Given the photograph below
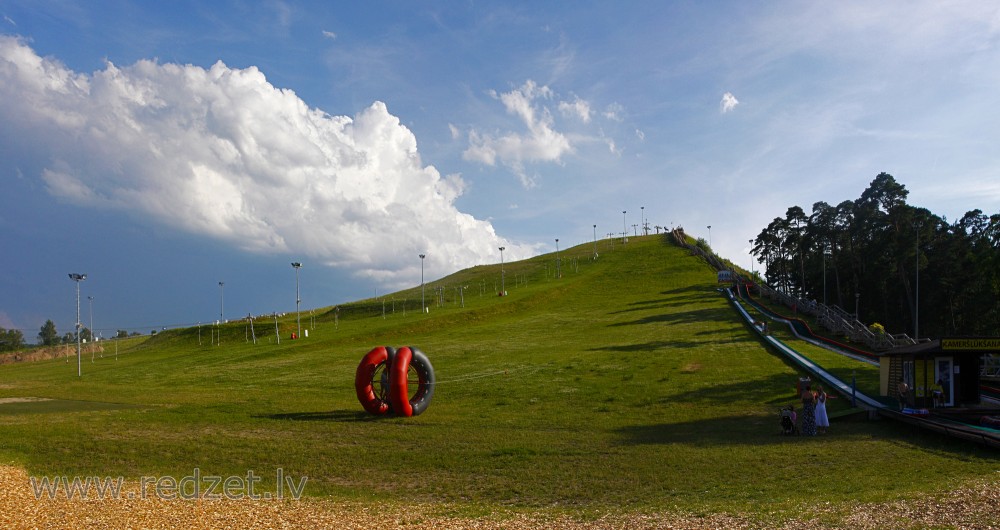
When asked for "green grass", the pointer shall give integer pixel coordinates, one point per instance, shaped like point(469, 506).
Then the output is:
point(627, 384)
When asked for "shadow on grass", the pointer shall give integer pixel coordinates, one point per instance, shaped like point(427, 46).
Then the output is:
point(334, 415)
point(652, 346)
point(729, 430)
point(663, 303)
point(673, 298)
point(775, 390)
point(711, 314)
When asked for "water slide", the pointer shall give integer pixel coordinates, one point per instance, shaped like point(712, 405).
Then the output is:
point(802, 331)
point(975, 433)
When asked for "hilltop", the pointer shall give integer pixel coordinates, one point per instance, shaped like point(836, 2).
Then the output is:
point(624, 383)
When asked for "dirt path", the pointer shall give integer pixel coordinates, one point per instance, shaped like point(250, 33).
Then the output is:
point(974, 507)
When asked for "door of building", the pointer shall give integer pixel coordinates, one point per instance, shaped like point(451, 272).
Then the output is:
point(943, 376)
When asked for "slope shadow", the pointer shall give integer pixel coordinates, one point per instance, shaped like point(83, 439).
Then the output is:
point(697, 315)
point(728, 430)
point(334, 415)
point(649, 346)
point(776, 389)
point(660, 303)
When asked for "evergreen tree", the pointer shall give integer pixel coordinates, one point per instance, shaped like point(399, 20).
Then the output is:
point(11, 339)
point(48, 336)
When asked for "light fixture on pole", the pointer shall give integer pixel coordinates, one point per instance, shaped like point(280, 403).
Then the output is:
point(422, 307)
point(296, 265)
point(503, 284)
point(222, 302)
point(709, 236)
point(916, 304)
point(78, 278)
point(91, 300)
point(595, 241)
point(751, 257)
point(642, 219)
point(826, 252)
point(624, 228)
point(558, 272)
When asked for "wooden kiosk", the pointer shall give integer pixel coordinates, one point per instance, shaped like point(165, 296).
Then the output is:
point(940, 373)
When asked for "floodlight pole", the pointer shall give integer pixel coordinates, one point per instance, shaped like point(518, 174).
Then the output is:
point(916, 304)
point(422, 306)
point(709, 236)
point(90, 299)
point(826, 252)
point(296, 265)
point(624, 229)
point(558, 271)
point(503, 285)
point(78, 278)
point(222, 302)
point(642, 218)
point(595, 241)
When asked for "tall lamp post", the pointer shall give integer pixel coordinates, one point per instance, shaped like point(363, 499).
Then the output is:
point(503, 284)
point(78, 278)
point(751, 257)
point(624, 228)
point(709, 236)
point(296, 265)
point(558, 272)
point(916, 304)
point(595, 241)
point(826, 252)
point(91, 300)
point(222, 302)
point(422, 256)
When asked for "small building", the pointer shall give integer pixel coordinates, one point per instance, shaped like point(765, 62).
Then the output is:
point(949, 366)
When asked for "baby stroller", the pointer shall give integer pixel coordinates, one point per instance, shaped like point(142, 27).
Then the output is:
point(788, 418)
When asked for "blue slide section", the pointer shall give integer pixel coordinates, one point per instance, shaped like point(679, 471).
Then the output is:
point(973, 433)
point(815, 370)
point(801, 330)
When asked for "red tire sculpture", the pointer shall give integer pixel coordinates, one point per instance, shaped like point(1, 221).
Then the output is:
point(420, 376)
point(386, 377)
point(370, 381)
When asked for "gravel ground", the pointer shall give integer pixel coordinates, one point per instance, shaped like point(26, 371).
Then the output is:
point(974, 506)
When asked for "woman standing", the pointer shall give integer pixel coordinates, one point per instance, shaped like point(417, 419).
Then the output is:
point(822, 420)
point(808, 412)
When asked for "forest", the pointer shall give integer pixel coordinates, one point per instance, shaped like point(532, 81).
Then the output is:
point(889, 262)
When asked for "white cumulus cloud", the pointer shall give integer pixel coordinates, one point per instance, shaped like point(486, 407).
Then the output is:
point(578, 108)
point(539, 143)
point(728, 102)
point(221, 152)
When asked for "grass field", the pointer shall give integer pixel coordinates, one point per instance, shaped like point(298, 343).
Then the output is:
point(627, 384)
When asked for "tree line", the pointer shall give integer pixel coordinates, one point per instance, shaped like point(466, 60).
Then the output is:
point(13, 339)
point(889, 262)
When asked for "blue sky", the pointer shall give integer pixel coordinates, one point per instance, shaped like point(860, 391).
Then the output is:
point(162, 147)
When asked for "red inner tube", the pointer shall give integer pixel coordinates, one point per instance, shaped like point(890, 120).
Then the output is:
point(398, 392)
point(363, 381)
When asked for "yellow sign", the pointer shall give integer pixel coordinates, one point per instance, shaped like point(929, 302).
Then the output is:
point(970, 344)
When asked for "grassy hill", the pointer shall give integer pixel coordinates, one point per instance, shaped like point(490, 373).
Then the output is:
point(628, 383)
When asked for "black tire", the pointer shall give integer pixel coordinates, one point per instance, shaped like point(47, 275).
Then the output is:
point(425, 389)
